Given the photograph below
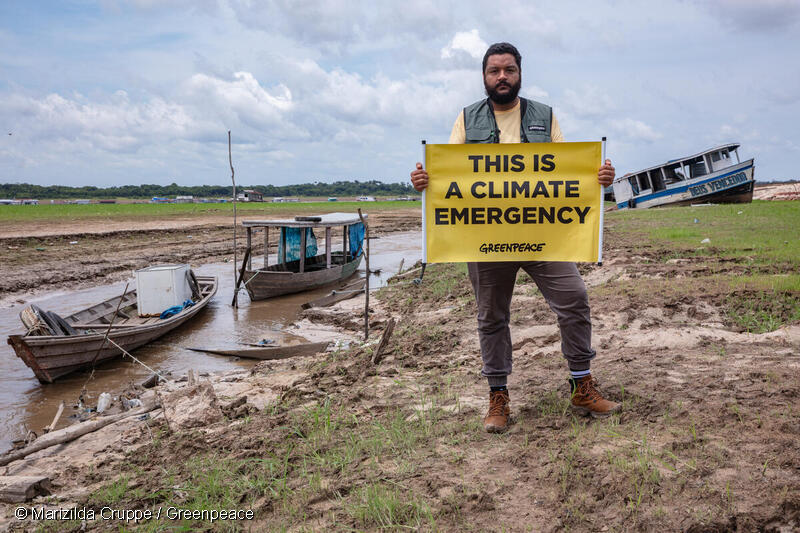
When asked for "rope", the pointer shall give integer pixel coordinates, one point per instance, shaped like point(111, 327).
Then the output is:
point(132, 357)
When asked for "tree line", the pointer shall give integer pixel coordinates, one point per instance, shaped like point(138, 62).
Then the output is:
point(337, 188)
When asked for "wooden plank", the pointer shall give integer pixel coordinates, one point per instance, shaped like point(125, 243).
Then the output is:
point(249, 246)
point(20, 489)
point(302, 250)
point(328, 247)
point(269, 353)
point(266, 247)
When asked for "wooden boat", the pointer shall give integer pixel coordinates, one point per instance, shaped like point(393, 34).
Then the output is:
point(305, 273)
point(709, 176)
point(268, 353)
point(80, 335)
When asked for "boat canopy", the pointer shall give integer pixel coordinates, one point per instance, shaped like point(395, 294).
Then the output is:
point(310, 221)
point(683, 168)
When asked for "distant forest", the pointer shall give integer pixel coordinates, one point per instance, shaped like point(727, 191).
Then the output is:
point(338, 188)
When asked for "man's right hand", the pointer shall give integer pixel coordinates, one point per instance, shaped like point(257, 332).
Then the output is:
point(419, 178)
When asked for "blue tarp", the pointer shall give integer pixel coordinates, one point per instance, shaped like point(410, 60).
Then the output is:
point(175, 309)
point(292, 239)
point(356, 238)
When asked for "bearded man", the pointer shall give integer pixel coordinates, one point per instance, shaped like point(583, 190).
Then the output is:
point(504, 117)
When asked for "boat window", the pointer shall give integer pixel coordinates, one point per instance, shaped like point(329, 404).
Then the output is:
point(657, 179)
point(720, 159)
point(674, 173)
point(644, 183)
point(696, 167)
point(634, 185)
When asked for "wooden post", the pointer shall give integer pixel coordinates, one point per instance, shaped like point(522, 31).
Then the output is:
point(302, 250)
point(249, 246)
point(283, 245)
point(366, 287)
point(344, 244)
point(327, 246)
point(266, 246)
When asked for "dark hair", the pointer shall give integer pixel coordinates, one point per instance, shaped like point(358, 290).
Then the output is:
point(502, 48)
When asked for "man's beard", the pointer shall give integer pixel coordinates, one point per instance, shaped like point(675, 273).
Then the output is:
point(502, 98)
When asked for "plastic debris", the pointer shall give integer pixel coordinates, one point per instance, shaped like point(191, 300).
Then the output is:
point(705, 241)
point(104, 402)
point(130, 404)
point(696, 220)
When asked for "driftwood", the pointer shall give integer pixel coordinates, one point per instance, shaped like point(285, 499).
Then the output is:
point(269, 353)
point(20, 489)
point(73, 432)
point(349, 291)
point(406, 274)
point(52, 425)
point(387, 333)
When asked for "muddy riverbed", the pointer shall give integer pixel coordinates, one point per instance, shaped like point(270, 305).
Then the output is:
point(50, 280)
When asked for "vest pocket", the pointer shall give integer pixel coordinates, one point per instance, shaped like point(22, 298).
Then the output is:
point(478, 135)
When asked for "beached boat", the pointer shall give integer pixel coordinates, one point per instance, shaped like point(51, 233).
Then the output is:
point(55, 346)
point(297, 272)
point(709, 176)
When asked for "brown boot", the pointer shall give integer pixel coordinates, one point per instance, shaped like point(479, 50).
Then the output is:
point(587, 400)
point(496, 420)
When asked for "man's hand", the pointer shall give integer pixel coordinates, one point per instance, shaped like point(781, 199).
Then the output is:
point(419, 177)
point(605, 175)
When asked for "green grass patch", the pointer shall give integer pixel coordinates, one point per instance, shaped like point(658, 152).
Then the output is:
point(764, 231)
point(380, 506)
point(93, 211)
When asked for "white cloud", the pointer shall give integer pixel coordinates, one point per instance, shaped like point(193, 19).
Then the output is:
point(242, 99)
point(466, 41)
point(628, 129)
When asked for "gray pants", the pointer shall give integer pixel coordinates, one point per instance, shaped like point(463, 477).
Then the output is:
point(563, 289)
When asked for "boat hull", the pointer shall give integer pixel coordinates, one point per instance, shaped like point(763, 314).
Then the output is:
point(263, 284)
point(732, 185)
point(52, 357)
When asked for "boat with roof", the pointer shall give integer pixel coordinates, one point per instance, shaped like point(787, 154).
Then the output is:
point(293, 270)
point(711, 176)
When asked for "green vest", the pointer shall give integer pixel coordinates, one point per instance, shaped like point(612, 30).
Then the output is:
point(481, 126)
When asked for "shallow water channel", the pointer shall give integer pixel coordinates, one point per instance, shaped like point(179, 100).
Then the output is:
point(27, 404)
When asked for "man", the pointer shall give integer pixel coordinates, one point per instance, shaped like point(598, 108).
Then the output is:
point(505, 117)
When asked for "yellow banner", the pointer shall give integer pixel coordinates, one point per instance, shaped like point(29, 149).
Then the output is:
point(513, 202)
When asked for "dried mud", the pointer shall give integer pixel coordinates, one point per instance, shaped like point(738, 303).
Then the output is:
point(706, 441)
point(42, 256)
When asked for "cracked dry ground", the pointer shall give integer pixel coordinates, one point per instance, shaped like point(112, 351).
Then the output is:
point(707, 440)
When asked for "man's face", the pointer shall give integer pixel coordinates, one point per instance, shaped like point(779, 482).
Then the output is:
point(502, 78)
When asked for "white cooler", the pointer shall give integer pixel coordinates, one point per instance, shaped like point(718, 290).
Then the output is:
point(161, 287)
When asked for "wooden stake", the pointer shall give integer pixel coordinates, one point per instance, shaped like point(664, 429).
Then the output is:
point(235, 262)
point(387, 334)
point(366, 287)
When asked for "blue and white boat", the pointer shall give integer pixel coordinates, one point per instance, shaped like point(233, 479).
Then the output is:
point(709, 176)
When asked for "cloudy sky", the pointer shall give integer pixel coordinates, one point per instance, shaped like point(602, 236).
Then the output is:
point(114, 92)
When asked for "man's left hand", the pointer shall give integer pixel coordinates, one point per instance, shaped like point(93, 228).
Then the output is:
point(606, 174)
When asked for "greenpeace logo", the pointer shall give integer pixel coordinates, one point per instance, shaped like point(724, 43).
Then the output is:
point(512, 247)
